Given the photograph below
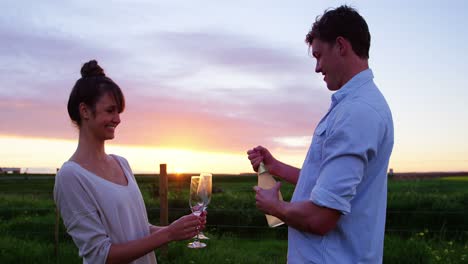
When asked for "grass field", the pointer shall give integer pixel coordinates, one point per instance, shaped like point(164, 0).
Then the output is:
point(427, 222)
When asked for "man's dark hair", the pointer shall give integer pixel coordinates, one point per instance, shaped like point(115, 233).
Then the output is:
point(345, 22)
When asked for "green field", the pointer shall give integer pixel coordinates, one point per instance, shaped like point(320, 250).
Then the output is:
point(427, 222)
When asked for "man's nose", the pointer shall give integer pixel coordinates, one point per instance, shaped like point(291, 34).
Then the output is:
point(318, 68)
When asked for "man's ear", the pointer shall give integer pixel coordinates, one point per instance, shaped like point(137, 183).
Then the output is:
point(84, 111)
point(343, 45)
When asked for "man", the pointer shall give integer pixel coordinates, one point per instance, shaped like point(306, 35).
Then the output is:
point(337, 212)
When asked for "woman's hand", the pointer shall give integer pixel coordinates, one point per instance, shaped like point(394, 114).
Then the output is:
point(186, 227)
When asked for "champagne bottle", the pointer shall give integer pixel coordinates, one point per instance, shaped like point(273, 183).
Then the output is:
point(266, 181)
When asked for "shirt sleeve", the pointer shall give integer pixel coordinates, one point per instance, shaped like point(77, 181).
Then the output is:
point(350, 144)
point(81, 217)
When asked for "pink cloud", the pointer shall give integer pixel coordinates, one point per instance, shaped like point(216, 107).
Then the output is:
point(172, 122)
point(159, 113)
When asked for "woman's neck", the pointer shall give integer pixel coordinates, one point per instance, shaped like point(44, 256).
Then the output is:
point(89, 148)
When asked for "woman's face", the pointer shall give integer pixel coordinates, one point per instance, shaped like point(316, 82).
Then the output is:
point(105, 119)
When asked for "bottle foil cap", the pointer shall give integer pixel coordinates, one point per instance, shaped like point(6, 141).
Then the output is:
point(262, 168)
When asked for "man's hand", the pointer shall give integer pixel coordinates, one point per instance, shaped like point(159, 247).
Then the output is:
point(267, 201)
point(259, 154)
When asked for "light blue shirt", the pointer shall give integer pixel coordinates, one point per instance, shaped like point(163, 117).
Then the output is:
point(346, 169)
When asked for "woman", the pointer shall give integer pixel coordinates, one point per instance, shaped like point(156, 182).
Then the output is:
point(97, 194)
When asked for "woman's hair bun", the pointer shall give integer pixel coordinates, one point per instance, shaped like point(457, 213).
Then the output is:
point(91, 69)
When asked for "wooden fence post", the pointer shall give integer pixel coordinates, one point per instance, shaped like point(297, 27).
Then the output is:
point(163, 208)
point(56, 231)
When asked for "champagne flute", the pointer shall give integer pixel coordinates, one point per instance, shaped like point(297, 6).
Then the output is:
point(206, 185)
point(196, 205)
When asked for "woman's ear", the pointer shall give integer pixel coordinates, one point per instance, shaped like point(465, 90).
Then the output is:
point(84, 111)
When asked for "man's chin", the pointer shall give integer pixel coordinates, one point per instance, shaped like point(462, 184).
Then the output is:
point(332, 87)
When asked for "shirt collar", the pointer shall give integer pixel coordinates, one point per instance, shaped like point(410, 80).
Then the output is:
point(357, 81)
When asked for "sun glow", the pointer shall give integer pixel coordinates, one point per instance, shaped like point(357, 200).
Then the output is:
point(39, 155)
point(46, 155)
point(179, 171)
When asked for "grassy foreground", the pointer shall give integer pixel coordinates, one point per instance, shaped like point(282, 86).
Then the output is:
point(427, 222)
point(231, 249)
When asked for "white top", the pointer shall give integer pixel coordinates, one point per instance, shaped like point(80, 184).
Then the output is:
point(98, 213)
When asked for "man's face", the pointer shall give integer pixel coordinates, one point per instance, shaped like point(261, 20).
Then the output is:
point(328, 63)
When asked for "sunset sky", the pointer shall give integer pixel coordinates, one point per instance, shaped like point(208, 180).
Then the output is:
point(207, 80)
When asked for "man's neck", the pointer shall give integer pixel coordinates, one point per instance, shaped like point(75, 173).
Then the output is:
point(356, 66)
